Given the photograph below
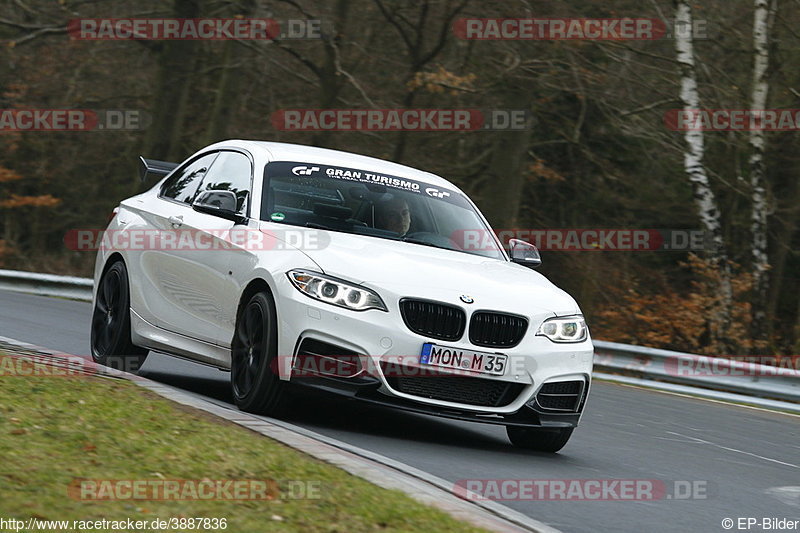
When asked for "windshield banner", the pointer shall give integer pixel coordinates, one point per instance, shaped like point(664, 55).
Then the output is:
point(374, 181)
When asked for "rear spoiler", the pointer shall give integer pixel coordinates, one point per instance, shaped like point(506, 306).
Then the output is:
point(154, 167)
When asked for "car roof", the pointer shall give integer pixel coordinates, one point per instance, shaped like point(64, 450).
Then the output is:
point(311, 154)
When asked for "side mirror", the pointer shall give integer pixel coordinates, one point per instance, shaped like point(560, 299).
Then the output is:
point(524, 253)
point(220, 204)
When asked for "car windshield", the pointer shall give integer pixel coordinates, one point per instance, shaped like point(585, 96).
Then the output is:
point(375, 205)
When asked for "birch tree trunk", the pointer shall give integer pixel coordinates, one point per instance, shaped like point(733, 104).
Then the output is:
point(705, 200)
point(758, 101)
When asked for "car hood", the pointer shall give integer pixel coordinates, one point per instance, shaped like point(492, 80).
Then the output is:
point(413, 270)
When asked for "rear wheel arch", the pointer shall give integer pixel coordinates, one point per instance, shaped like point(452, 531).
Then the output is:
point(111, 259)
point(110, 336)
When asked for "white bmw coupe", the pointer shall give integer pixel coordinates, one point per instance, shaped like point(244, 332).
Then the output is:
point(294, 266)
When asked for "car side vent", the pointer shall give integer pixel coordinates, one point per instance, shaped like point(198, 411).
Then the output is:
point(561, 396)
point(318, 358)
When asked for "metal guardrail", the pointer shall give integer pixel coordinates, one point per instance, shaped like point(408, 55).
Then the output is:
point(47, 284)
point(729, 375)
point(761, 381)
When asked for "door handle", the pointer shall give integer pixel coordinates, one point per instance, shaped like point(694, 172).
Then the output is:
point(176, 221)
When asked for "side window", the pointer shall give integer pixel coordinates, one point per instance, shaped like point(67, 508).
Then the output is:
point(230, 172)
point(182, 185)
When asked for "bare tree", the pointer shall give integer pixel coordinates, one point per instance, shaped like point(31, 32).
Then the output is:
point(176, 65)
point(705, 199)
point(414, 36)
point(229, 83)
point(330, 73)
point(764, 12)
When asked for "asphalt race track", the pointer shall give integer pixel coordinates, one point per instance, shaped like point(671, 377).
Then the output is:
point(747, 460)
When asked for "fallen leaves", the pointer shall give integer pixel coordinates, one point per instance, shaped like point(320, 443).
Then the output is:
point(15, 201)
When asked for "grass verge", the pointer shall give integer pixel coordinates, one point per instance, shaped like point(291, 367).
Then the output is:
point(56, 430)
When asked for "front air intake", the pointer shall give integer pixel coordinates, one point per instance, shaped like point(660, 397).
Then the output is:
point(561, 396)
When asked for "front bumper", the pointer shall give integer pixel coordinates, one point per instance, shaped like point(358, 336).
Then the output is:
point(376, 336)
point(368, 390)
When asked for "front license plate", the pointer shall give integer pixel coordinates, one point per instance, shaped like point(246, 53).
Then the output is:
point(447, 357)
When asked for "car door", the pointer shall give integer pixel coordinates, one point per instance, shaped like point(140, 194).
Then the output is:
point(150, 296)
point(233, 171)
point(193, 274)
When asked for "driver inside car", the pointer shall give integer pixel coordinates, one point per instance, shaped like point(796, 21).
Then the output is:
point(393, 215)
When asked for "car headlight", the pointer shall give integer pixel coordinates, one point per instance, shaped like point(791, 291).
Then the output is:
point(564, 329)
point(335, 291)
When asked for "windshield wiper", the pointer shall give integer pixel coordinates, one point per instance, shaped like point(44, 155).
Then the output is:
point(412, 240)
point(314, 225)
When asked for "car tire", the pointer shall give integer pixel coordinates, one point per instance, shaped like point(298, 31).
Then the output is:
point(111, 343)
point(539, 439)
point(255, 385)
